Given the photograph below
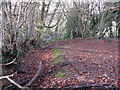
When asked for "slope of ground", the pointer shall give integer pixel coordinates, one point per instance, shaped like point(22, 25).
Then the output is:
point(93, 62)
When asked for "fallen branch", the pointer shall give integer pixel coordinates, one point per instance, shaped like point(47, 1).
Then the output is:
point(8, 77)
point(36, 75)
point(13, 61)
point(3, 77)
point(30, 82)
point(55, 68)
point(14, 87)
point(39, 76)
point(21, 87)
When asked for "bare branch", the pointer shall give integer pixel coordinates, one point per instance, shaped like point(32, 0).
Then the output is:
point(57, 5)
point(9, 62)
point(8, 77)
point(2, 77)
point(35, 76)
point(21, 87)
point(29, 83)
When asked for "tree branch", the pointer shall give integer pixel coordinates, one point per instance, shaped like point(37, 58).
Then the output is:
point(54, 68)
point(2, 77)
point(35, 76)
point(21, 87)
point(8, 77)
point(9, 62)
point(29, 83)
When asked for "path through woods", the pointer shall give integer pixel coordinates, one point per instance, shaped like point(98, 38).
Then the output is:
point(93, 62)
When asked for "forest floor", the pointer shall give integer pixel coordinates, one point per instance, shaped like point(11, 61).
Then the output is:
point(92, 62)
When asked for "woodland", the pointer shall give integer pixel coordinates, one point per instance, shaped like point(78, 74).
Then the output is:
point(59, 44)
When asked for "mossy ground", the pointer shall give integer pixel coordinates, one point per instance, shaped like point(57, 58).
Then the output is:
point(55, 60)
point(60, 73)
point(56, 57)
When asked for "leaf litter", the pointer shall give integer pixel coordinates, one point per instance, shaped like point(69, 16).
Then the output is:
point(94, 62)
